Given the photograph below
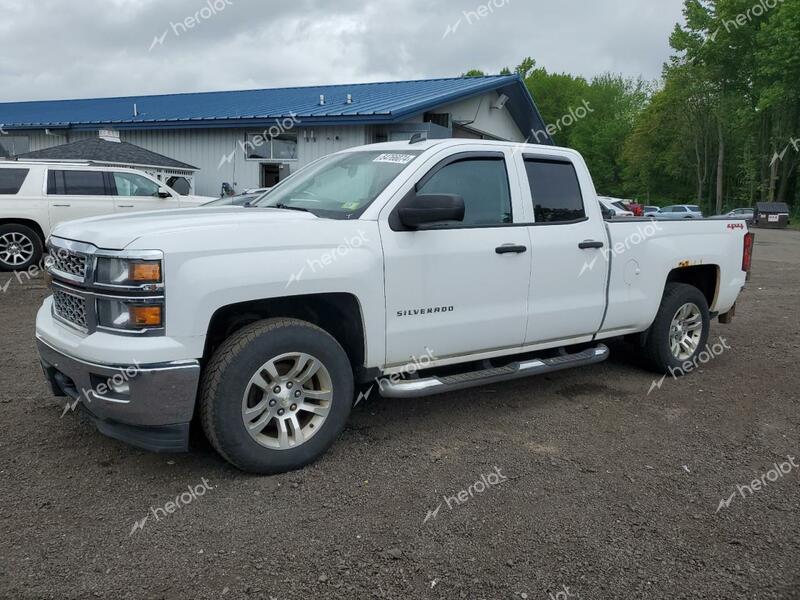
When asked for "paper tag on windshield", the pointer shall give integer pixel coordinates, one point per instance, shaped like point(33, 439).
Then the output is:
point(398, 159)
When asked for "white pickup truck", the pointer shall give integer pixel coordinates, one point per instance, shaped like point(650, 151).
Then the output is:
point(430, 267)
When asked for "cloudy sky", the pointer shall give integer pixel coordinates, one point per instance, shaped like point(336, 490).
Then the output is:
point(73, 49)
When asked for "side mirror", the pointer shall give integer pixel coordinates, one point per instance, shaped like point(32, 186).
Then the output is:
point(163, 192)
point(417, 210)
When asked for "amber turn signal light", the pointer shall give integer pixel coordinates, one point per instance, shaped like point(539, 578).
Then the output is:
point(145, 271)
point(145, 316)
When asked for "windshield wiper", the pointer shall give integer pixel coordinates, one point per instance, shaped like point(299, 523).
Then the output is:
point(287, 207)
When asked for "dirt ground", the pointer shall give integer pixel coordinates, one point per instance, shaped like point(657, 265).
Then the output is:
point(576, 486)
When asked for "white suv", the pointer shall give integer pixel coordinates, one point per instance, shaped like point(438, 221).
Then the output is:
point(35, 196)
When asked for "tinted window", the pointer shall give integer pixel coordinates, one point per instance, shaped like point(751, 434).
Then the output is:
point(556, 191)
point(76, 183)
point(482, 183)
point(180, 185)
point(11, 180)
point(130, 184)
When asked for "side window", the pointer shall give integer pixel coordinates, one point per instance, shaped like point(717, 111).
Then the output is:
point(482, 183)
point(180, 185)
point(76, 183)
point(555, 190)
point(11, 180)
point(130, 184)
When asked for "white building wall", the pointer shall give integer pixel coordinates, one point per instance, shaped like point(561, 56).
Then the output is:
point(477, 114)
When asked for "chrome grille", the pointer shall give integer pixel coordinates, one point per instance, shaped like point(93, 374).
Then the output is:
point(70, 307)
point(69, 262)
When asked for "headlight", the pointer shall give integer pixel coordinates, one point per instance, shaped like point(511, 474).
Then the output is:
point(128, 272)
point(129, 315)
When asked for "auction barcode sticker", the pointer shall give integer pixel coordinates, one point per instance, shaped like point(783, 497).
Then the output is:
point(398, 159)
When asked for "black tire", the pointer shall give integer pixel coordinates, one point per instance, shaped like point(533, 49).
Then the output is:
point(657, 351)
point(31, 241)
point(226, 378)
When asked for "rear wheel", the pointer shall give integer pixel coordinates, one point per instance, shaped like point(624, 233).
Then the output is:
point(680, 330)
point(276, 395)
point(20, 247)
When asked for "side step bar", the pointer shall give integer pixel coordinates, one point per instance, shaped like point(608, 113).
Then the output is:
point(415, 388)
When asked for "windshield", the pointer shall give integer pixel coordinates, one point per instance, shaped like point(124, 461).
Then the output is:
point(340, 186)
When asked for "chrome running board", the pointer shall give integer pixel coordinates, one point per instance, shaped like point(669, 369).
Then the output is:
point(415, 388)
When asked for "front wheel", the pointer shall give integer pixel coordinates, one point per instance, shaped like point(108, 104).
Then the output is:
point(680, 330)
point(276, 395)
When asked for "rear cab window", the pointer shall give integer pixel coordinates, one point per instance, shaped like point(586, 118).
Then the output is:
point(555, 190)
point(11, 180)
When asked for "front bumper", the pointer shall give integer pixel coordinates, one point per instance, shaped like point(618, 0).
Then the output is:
point(149, 406)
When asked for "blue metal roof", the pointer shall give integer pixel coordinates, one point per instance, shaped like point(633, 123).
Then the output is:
point(371, 103)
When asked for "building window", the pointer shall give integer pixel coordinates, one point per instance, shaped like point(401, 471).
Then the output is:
point(440, 119)
point(257, 146)
point(14, 145)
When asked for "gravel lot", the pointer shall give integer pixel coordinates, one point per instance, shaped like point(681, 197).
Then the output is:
point(606, 491)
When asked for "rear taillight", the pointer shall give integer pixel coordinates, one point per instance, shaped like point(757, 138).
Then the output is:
point(747, 256)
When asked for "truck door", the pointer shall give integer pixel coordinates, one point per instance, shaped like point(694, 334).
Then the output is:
point(461, 287)
point(569, 248)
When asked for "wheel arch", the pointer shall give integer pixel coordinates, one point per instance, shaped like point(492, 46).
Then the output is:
point(29, 223)
point(340, 314)
point(704, 277)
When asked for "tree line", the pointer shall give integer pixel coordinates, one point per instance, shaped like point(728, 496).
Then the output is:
point(719, 129)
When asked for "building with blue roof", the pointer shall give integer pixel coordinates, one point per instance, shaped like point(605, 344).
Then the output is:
point(254, 138)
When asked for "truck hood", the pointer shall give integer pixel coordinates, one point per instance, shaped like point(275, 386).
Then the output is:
point(116, 232)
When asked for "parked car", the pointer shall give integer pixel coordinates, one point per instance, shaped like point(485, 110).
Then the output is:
point(36, 196)
point(240, 200)
point(739, 213)
point(615, 208)
point(402, 266)
point(680, 211)
point(650, 211)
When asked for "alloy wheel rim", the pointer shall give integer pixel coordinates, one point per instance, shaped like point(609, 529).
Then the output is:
point(15, 248)
point(287, 400)
point(686, 331)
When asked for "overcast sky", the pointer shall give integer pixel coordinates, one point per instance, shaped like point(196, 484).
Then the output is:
point(87, 48)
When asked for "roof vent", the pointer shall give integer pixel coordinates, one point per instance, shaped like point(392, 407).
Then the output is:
point(322, 99)
point(349, 99)
point(135, 110)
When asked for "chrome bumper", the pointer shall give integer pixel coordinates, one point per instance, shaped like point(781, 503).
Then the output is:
point(133, 403)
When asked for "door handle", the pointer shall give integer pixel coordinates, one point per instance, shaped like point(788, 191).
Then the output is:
point(62, 205)
point(125, 206)
point(511, 249)
point(590, 245)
